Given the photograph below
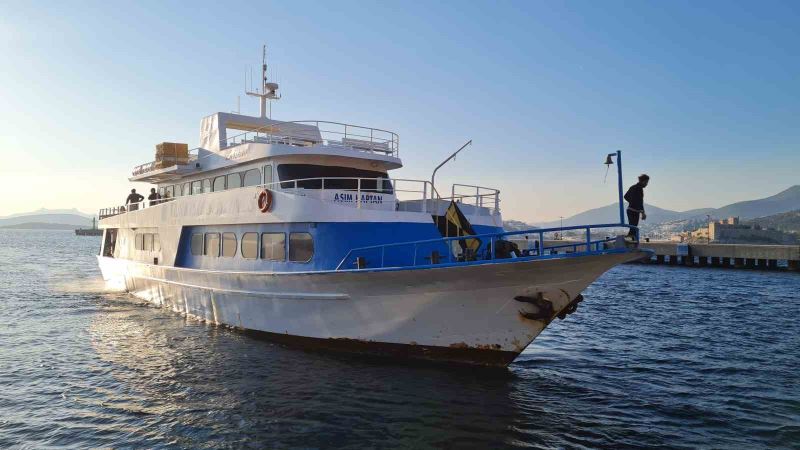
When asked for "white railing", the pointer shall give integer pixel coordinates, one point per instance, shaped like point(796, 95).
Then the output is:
point(129, 207)
point(165, 162)
point(404, 195)
point(476, 196)
point(333, 134)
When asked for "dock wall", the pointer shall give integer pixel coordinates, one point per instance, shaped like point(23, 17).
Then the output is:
point(732, 256)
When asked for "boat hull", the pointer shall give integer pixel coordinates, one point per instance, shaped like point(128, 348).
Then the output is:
point(465, 313)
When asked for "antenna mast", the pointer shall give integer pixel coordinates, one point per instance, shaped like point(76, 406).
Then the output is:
point(267, 91)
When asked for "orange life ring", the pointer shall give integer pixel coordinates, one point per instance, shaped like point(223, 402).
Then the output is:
point(265, 200)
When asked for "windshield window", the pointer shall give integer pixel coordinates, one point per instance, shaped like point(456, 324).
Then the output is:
point(350, 175)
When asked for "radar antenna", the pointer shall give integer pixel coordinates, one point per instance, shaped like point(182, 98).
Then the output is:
point(268, 89)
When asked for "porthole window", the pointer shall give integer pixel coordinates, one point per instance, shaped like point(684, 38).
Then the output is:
point(234, 181)
point(219, 183)
point(301, 247)
point(273, 246)
point(197, 244)
point(228, 245)
point(211, 245)
point(252, 177)
point(250, 245)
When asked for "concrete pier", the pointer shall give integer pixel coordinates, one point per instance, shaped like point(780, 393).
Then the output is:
point(728, 256)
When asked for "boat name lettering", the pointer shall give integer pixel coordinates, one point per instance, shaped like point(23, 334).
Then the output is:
point(350, 197)
point(239, 153)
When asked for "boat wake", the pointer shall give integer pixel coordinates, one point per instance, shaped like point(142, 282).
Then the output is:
point(87, 286)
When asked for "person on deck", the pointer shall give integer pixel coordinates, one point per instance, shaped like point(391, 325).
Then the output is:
point(133, 200)
point(635, 198)
point(154, 197)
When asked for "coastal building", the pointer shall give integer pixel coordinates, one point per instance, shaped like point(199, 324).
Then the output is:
point(731, 231)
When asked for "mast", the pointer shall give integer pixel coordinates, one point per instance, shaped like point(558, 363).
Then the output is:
point(267, 90)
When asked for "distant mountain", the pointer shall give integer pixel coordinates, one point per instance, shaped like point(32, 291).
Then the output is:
point(787, 221)
point(516, 225)
point(43, 211)
point(39, 226)
point(610, 214)
point(73, 220)
point(784, 201)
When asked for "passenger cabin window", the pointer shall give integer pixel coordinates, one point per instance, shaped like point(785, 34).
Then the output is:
point(197, 187)
point(252, 177)
point(147, 242)
point(301, 247)
point(161, 191)
point(207, 185)
point(197, 244)
point(219, 183)
point(250, 245)
point(273, 246)
point(228, 245)
point(341, 178)
point(211, 244)
point(268, 174)
point(187, 188)
point(169, 191)
point(234, 181)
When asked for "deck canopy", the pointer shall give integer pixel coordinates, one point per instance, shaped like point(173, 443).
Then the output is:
point(214, 130)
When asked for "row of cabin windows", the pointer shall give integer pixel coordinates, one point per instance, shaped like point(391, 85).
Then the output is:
point(309, 176)
point(147, 242)
point(273, 246)
point(235, 180)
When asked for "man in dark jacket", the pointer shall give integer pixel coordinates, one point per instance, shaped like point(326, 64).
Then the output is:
point(133, 200)
point(154, 197)
point(635, 198)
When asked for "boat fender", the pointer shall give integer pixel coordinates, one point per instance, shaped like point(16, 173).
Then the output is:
point(544, 307)
point(265, 200)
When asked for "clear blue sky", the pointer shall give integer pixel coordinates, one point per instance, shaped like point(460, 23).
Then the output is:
point(704, 96)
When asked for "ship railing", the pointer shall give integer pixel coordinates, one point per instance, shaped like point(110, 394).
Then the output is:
point(332, 134)
point(477, 196)
point(408, 195)
point(165, 162)
point(480, 248)
point(130, 207)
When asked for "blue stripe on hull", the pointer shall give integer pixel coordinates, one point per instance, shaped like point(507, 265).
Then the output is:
point(332, 241)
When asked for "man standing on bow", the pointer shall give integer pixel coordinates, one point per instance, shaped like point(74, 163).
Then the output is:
point(635, 198)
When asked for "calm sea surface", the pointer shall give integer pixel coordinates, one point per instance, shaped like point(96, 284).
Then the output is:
point(656, 356)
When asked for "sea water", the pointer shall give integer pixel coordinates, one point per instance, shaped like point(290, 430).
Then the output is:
point(655, 356)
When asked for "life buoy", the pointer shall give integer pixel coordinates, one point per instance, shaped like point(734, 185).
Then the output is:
point(265, 200)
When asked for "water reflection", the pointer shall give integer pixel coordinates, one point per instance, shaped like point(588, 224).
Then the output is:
point(201, 385)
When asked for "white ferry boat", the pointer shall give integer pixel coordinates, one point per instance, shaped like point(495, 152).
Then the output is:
point(295, 230)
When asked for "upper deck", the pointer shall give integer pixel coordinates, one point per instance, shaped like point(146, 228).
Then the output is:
point(301, 137)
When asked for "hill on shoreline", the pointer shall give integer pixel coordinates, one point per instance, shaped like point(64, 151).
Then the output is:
point(781, 202)
point(38, 226)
